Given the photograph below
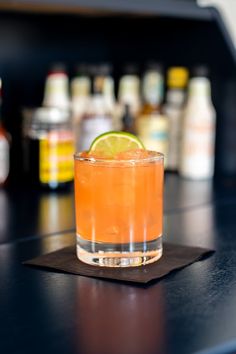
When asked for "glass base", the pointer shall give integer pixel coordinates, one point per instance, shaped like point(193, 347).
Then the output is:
point(118, 255)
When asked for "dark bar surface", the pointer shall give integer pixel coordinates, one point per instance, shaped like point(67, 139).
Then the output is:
point(189, 311)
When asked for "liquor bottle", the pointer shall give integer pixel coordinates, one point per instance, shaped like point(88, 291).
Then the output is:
point(197, 148)
point(56, 93)
point(4, 147)
point(49, 148)
point(128, 123)
point(152, 125)
point(152, 88)
point(128, 93)
point(97, 119)
point(104, 75)
point(177, 78)
point(80, 93)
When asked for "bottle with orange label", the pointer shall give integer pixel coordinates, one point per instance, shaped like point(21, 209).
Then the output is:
point(49, 148)
point(198, 134)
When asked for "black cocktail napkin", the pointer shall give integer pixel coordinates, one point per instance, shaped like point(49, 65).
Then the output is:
point(174, 257)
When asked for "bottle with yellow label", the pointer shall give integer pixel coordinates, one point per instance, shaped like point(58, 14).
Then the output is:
point(49, 148)
point(152, 126)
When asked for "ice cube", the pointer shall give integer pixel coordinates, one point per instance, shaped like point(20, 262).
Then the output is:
point(134, 154)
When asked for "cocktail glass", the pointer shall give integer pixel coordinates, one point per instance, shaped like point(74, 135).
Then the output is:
point(119, 209)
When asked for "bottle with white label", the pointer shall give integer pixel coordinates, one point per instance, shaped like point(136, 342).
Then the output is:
point(128, 94)
point(198, 139)
point(152, 126)
point(80, 92)
point(97, 118)
point(4, 147)
point(80, 96)
point(177, 78)
point(104, 73)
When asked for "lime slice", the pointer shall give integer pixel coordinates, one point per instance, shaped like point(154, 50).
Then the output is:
point(112, 143)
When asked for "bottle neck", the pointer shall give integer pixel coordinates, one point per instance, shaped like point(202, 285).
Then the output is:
point(80, 87)
point(128, 89)
point(153, 88)
point(175, 96)
point(200, 90)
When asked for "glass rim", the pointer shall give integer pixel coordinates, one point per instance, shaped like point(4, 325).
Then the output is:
point(157, 156)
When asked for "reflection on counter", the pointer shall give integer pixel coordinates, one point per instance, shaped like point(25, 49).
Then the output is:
point(187, 193)
point(25, 213)
point(56, 242)
point(104, 309)
point(56, 212)
point(4, 215)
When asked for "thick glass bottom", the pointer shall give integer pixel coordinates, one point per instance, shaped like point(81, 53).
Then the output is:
point(118, 255)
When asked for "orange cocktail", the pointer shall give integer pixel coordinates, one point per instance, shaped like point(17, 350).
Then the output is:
point(119, 208)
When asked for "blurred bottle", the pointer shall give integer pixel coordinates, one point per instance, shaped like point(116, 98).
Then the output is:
point(4, 147)
point(56, 93)
point(104, 80)
point(128, 94)
point(80, 95)
point(152, 125)
point(177, 79)
point(49, 148)
point(97, 119)
point(152, 88)
point(128, 123)
point(197, 147)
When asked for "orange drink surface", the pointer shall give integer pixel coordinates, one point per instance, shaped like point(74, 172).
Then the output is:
point(119, 200)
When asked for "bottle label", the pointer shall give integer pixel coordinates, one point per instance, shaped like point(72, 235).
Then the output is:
point(91, 128)
point(153, 131)
point(4, 159)
point(56, 157)
point(153, 87)
point(174, 115)
point(198, 150)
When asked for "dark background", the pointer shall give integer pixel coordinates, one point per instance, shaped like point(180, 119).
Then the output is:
point(31, 41)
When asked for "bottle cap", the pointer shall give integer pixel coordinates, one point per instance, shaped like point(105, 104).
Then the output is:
point(57, 68)
point(154, 66)
point(130, 69)
point(82, 69)
point(104, 69)
point(177, 77)
point(200, 71)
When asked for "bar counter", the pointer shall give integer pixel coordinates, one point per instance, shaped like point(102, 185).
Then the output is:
point(189, 311)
